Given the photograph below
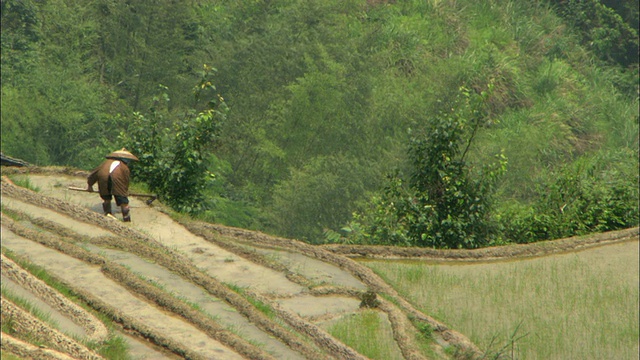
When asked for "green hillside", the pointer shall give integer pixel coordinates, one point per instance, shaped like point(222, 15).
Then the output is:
point(431, 123)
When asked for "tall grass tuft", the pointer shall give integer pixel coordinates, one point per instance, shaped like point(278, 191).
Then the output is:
point(115, 347)
point(25, 182)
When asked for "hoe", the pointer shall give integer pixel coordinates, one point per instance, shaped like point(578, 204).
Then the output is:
point(151, 197)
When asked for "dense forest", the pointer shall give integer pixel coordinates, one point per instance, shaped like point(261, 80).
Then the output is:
point(441, 123)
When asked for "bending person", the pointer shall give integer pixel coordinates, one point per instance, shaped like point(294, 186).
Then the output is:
point(112, 177)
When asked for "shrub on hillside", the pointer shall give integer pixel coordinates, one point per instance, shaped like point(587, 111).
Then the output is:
point(594, 195)
point(172, 152)
point(444, 203)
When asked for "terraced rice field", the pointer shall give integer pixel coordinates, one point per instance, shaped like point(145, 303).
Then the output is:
point(173, 288)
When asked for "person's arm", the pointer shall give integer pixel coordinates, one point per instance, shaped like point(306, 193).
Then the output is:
point(92, 179)
point(125, 178)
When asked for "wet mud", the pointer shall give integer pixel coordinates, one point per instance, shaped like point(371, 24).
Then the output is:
point(205, 291)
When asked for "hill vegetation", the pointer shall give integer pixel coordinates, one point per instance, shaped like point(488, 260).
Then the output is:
point(432, 123)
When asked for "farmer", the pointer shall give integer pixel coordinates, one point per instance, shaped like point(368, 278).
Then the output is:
point(112, 177)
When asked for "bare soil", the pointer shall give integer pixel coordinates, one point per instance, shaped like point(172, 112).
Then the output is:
point(184, 289)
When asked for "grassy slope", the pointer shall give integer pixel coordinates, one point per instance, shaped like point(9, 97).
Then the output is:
point(552, 104)
point(392, 61)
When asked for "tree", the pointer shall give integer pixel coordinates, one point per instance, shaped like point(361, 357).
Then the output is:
point(172, 151)
point(603, 30)
point(20, 34)
point(319, 196)
point(444, 203)
point(596, 193)
point(141, 44)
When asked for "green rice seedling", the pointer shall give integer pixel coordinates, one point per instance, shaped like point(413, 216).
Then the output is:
point(262, 307)
point(366, 333)
point(114, 347)
point(163, 287)
point(423, 337)
point(28, 306)
point(11, 213)
point(25, 182)
point(150, 281)
point(577, 305)
point(8, 326)
point(40, 273)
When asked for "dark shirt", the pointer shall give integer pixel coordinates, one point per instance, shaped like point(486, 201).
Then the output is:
point(119, 174)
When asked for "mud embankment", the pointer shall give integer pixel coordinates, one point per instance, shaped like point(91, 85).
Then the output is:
point(302, 285)
point(506, 252)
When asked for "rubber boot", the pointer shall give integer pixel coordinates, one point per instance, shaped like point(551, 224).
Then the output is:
point(126, 216)
point(106, 207)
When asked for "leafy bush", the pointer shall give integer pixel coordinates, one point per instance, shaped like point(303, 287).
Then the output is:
point(595, 195)
point(323, 95)
point(172, 159)
point(445, 203)
point(602, 29)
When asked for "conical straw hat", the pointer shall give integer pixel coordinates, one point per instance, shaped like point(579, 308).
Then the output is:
point(122, 154)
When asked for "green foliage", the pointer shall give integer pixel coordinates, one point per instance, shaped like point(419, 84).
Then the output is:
point(236, 213)
point(327, 95)
point(172, 160)
point(142, 44)
point(222, 204)
point(317, 197)
point(53, 112)
point(77, 130)
point(445, 203)
point(602, 29)
point(593, 195)
point(20, 35)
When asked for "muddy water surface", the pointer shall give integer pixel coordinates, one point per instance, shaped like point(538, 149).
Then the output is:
point(215, 256)
point(61, 322)
point(137, 349)
point(61, 219)
point(91, 279)
point(219, 263)
point(208, 304)
point(317, 271)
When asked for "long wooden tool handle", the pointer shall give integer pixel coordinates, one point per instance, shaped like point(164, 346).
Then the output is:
point(78, 188)
point(75, 188)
